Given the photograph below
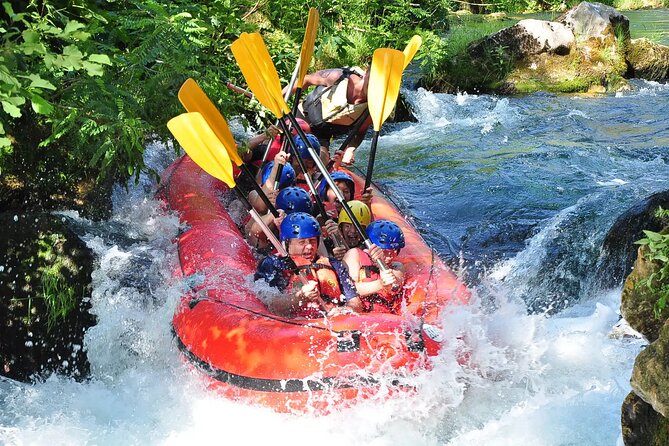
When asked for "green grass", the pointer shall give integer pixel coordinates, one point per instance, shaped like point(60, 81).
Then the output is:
point(59, 296)
point(452, 66)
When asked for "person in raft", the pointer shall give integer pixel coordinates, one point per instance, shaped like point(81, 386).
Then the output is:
point(329, 289)
point(364, 216)
point(309, 162)
point(347, 187)
point(273, 137)
point(289, 200)
point(334, 107)
point(267, 179)
point(376, 287)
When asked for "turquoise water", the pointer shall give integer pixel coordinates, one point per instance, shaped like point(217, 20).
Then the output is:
point(484, 175)
point(652, 24)
point(517, 193)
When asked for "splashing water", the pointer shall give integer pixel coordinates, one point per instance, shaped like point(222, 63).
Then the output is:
point(520, 190)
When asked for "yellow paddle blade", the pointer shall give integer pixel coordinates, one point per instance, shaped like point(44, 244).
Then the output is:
point(259, 71)
point(195, 100)
point(202, 145)
point(308, 45)
point(385, 78)
point(411, 49)
point(242, 50)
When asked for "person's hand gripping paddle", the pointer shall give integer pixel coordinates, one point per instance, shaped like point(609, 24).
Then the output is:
point(261, 76)
point(409, 52)
point(204, 147)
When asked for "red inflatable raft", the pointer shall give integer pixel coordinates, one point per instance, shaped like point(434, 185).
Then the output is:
point(225, 330)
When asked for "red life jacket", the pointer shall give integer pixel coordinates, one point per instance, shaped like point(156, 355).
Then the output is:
point(302, 184)
point(385, 300)
point(325, 275)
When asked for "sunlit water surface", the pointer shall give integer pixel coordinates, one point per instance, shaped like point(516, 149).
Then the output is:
point(519, 192)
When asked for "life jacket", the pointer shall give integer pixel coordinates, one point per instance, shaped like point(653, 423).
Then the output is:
point(322, 272)
point(327, 108)
point(302, 184)
point(385, 300)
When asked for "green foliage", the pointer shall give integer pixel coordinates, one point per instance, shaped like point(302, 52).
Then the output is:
point(40, 49)
point(658, 252)
point(85, 84)
point(59, 296)
point(451, 64)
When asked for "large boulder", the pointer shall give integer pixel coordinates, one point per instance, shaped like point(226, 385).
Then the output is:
point(587, 49)
point(648, 60)
point(638, 300)
point(527, 38)
point(650, 376)
point(596, 22)
point(583, 50)
point(641, 425)
point(619, 251)
point(45, 283)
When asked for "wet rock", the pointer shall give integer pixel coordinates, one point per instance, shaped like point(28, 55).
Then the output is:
point(596, 21)
point(637, 300)
point(45, 276)
point(648, 60)
point(650, 376)
point(641, 425)
point(618, 249)
point(583, 50)
point(526, 38)
point(403, 112)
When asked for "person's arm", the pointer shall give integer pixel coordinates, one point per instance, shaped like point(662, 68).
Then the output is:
point(348, 290)
point(272, 270)
point(355, 142)
point(352, 261)
point(287, 305)
point(323, 77)
point(257, 202)
point(266, 136)
point(256, 236)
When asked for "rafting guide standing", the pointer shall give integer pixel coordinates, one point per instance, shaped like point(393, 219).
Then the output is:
point(336, 105)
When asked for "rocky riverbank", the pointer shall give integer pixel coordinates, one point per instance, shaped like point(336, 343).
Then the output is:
point(587, 49)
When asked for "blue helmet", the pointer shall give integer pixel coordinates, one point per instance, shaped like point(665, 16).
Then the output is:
point(385, 234)
point(336, 176)
point(302, 147)
point(287, 174)
point(294, 199)
point(299, 225)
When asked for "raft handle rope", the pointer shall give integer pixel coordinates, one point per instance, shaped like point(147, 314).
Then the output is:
point(196, 300)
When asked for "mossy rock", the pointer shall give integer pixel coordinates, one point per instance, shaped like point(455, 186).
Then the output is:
point(638, 300)
point(641, 425)
point(650, 376)
point(648, 60)
point(564, 74)
point(45, 283)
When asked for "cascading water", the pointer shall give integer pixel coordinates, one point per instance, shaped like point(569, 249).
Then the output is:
point(518, 192)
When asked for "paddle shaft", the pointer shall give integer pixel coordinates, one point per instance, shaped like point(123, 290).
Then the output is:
point(300, 161)
point(372, 156)
point(268, 232)
point(293, 80)
point(258, 189)
point(340, 197)
point(298, 94)
point(354, 131)
point(237, 89)
point(338, 241)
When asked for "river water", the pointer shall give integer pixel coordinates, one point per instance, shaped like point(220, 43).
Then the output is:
point(518, 193)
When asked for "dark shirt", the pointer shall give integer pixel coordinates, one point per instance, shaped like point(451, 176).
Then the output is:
point(276, 271)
